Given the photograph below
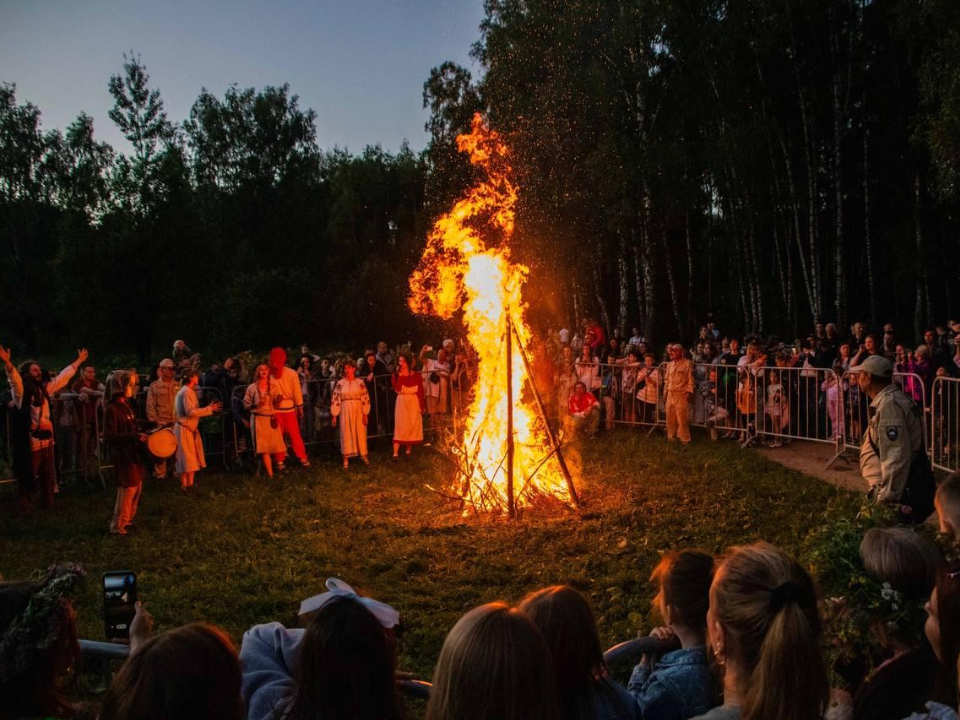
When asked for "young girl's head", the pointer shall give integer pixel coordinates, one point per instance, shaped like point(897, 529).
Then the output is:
point(347, 665)
point(494, 665)
point(649, 359)
point(566, 621)
point(683, 597)
point(763, 625)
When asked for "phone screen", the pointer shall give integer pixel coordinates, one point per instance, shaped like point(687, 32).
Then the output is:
point(119, 601)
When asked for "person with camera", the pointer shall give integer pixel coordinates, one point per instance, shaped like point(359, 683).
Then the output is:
point(190, 457)
point(32, 428)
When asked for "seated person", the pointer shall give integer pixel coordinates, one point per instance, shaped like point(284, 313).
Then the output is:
point(678, 684)
point(189, 673)
point(342, 665)
point(583, 411)
point(584, 686)
point(947, 504)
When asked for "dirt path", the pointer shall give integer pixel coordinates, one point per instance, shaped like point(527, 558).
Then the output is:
point(811, 458)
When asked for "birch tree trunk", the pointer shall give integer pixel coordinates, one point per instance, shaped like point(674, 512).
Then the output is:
point(867, 235)
point(623, 272)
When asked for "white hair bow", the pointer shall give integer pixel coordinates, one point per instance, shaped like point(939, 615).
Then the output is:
point(387, 616)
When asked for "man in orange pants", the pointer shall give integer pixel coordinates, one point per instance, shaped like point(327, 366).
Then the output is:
point(287, 404)
point(678, 386)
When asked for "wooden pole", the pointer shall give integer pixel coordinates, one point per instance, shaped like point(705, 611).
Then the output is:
point(511, 501)
point(543, 414)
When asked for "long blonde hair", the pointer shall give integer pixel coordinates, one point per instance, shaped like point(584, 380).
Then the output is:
point(767, 606)
point(494, 665)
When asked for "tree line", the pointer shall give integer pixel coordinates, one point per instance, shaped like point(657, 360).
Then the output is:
point(771, 161)
point(231, 229)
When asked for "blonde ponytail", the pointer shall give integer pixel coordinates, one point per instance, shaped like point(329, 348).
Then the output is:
point(766, 603)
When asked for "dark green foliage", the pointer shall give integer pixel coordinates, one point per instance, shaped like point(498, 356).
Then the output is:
point(231, 231)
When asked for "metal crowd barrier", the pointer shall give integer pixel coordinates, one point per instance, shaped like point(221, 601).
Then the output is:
point(99, 656)
point(945, 424)
point(629, 394)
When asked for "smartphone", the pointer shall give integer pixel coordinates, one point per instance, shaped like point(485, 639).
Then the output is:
point(119, 603)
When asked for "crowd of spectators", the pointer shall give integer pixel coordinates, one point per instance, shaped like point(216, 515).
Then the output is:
point(742, 636)
point(740, 385)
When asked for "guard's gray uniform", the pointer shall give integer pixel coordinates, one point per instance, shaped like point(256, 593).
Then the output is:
point(896, 431)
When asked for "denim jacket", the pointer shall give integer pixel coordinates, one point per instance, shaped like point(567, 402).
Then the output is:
point(679, 687)
point(935, 711)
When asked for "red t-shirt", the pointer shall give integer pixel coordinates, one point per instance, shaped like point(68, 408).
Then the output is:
point(579, 403)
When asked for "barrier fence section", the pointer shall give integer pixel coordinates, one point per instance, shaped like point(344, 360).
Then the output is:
point(945, 424)
point(628, 393)
point(798, 404)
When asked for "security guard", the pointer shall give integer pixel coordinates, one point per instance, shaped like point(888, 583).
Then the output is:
point(894, 433)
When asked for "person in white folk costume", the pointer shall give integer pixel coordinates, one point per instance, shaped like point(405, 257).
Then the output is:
point(190, 457)
point(267, 437)
point(350, 408)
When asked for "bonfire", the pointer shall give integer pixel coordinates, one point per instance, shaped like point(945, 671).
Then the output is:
point(507, 456)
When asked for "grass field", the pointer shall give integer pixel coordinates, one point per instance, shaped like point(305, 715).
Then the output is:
point(244, 549)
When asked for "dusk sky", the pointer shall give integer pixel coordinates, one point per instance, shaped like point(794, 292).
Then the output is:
point(360, 64)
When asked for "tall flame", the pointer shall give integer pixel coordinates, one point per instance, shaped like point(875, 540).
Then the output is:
point(459, 270)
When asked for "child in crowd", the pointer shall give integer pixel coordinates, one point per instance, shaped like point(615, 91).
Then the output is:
point(947, 504)
point(776, 407)
point(713, 411)
point(764, 631)
point(584, 687)
point(747, 408)
point(679, 684)
point(342, 667)
point(906, 563)
point(494, 665)
point(648, 389)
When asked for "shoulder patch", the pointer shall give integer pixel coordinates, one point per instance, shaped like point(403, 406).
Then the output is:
point(892, 433)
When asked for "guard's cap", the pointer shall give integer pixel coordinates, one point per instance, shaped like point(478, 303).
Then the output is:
point(877, 365)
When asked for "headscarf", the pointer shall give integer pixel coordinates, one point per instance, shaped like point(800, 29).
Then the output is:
point(116, 383)
point(278, 360)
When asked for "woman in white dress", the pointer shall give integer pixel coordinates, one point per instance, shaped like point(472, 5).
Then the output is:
point(350, 408)
point(408, 417)
point(190, 456)
point(267, 437)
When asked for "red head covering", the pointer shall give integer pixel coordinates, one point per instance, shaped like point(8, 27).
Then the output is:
point(278, 359)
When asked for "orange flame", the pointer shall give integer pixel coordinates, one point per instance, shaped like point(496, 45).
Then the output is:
point(459, 271)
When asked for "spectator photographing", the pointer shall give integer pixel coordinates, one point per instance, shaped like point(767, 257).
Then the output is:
point(188, 673)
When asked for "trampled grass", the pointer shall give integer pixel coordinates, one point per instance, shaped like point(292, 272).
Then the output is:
point(244, 549)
